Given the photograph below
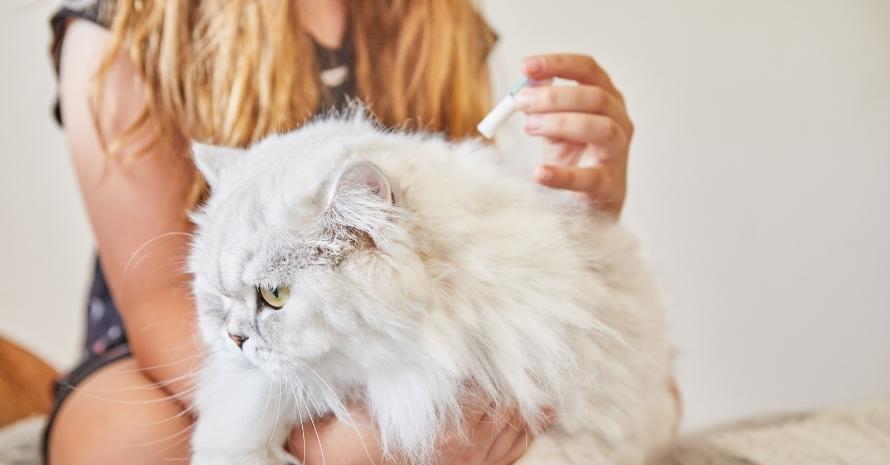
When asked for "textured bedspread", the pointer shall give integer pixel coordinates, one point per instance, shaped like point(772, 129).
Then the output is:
point(19, 442)
point(856, 435)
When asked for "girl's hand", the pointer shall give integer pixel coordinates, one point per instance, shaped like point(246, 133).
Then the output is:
point(586, 126)
point(490, 442)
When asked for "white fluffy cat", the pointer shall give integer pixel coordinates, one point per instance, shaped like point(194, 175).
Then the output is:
point(342, 261)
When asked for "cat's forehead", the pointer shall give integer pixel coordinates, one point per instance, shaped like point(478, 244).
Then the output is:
point(260, 253)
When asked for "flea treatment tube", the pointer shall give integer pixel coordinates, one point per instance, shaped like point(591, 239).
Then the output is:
point(497, 116)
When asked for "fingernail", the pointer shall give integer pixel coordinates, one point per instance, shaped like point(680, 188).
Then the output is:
point(539, 82)
point(523, 100)
point(549, 414)
point(532, 65)
point(545, 174)
point(533, 123)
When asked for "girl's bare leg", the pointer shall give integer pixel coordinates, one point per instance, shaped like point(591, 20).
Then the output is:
point(119, 416)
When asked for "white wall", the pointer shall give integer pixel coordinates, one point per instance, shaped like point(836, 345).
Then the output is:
point(45, 242)
point(758, 182)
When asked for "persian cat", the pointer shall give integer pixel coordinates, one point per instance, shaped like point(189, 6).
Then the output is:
point(341, 261)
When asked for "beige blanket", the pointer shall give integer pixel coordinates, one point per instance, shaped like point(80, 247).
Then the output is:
point(20, 442)
point(856, 435)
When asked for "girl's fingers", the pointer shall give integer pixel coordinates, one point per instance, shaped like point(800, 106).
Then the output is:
point(570, 177)
point(580, 68)
point(517, 448)
point(549, 418)
point(595, 182)
point(508, 430)
point(577, 127)
point(484, 431)
point(581, 98)
point(588, 99)
point(521, 440)
point(481, 430)
point(478, 411)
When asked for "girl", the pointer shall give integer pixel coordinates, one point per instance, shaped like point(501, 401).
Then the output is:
point(139, 79)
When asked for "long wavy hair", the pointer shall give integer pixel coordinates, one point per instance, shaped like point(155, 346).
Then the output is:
point(230, 72)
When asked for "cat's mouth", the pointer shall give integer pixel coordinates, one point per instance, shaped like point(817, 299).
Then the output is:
point(268, 360)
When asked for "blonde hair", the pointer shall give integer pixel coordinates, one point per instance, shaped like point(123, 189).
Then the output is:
point(230, 72)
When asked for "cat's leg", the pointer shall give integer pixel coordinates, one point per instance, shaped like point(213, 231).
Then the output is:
point(244, 417)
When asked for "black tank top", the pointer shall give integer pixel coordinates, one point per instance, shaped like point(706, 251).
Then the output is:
point(105, 331)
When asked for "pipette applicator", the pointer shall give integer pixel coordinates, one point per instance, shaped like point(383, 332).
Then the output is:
point(501, 112)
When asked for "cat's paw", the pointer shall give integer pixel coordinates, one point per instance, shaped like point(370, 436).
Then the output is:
point(270, 457)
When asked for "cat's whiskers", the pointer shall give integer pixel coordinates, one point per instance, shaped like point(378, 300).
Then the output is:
point(193, 359)
point(193, 366)
point(333, 393)
point(185, 437)
point(183, 434)
point(159, 365)
point(346, 412)
point(183, 460)
point(88, 393)
point(139, 387)
point(133, 260)
point(312, 417)
point(150, 386)
point(265, 408)
point(299, 405)
point(275, 418)
point(249, 367)
point(182, 413)
point(274, 424)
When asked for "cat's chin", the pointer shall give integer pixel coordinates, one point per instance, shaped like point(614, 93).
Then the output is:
point(274, 365)
point(275, 369)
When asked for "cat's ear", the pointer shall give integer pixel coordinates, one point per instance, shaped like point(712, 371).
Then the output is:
point(359, 204)
point(360, 178)
point(213, 160)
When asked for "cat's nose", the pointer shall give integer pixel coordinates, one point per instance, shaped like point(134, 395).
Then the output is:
point(239, 339)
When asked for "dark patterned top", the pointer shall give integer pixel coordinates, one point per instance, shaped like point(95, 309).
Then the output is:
point(105, 331)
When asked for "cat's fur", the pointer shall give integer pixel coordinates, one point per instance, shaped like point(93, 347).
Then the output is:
point(416, 269)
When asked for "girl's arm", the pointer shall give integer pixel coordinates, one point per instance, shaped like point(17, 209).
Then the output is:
point(136, 207)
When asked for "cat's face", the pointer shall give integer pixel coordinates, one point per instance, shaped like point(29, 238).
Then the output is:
point(303, 253)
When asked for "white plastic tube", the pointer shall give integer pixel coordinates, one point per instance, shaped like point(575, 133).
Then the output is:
point(501, 112)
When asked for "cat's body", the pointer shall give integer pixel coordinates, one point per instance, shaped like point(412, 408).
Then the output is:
point(415, 267)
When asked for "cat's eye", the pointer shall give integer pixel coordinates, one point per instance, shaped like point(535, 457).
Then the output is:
point(275, 298)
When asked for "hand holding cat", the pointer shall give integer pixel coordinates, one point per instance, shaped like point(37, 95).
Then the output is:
point(491, 442)
point(587, 128)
